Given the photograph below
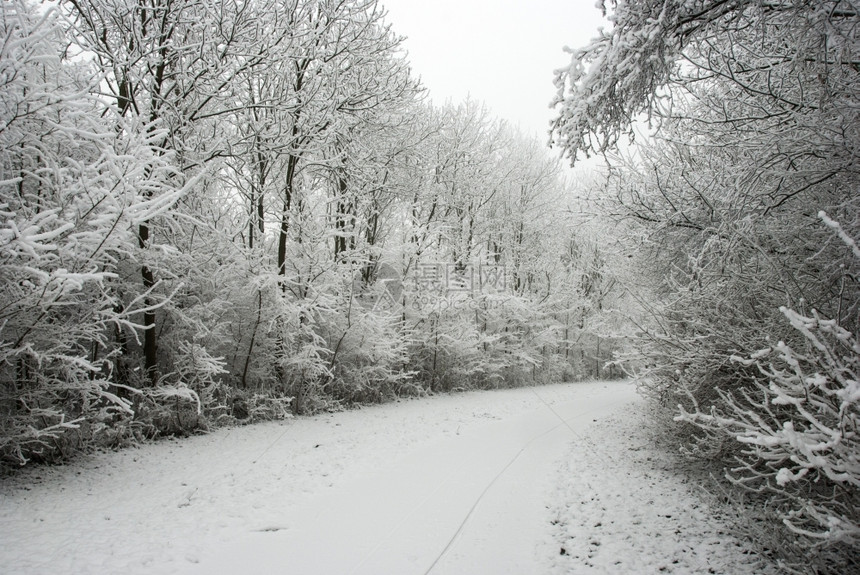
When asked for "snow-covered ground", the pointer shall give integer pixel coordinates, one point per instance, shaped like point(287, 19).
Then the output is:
point(555, 479)
point(621, 506)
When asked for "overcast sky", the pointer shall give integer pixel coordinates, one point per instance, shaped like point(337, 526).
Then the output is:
point(502, 52)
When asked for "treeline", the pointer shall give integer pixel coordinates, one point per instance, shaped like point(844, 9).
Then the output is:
point(743, 204)
point(227, 211)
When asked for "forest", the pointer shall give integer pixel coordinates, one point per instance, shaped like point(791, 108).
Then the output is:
point(218, 212)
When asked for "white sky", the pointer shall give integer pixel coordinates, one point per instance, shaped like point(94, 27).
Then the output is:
point(501, 52)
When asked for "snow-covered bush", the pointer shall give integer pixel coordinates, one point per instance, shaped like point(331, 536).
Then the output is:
point(792, 430)
point(368, 351)
point(798, 429)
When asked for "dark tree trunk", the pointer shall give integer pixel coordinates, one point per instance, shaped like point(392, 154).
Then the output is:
point(150, 340)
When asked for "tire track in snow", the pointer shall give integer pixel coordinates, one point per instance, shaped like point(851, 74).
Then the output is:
point(473, 503)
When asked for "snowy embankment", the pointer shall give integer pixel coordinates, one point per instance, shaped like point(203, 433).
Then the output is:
point(556, 479)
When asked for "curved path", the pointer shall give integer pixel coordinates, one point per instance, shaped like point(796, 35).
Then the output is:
point(556, 479)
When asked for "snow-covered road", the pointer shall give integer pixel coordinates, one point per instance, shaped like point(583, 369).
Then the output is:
point(475, 502)
point(510, 481)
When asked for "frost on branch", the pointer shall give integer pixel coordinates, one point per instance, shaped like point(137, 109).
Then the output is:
point(798, 426)
point(69, 183)
point(617, 76)
point(661, 56)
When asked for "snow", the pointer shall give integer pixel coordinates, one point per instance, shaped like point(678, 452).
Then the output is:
point(480, 482)
point(622, 506)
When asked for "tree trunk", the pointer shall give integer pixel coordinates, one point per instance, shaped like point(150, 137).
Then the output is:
point(292, 163)
point(150, 340)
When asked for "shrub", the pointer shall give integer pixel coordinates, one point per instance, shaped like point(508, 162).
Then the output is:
point(792, 433)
